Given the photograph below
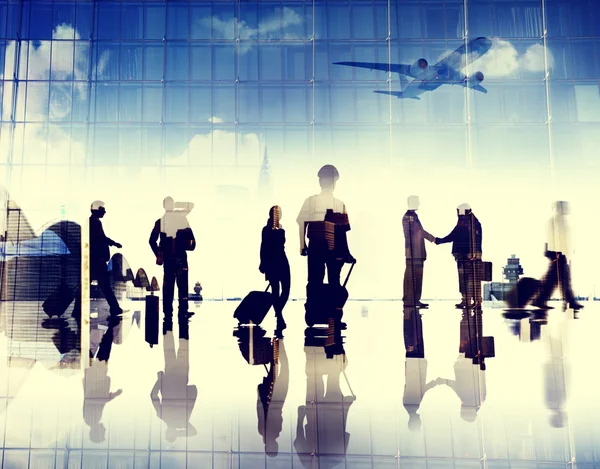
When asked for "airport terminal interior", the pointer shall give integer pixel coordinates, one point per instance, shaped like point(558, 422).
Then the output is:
point(163, 161)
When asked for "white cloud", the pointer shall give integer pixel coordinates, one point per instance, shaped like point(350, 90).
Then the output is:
point(504, 60)
point(268, 29)
point(68, 63)
point(215, 120)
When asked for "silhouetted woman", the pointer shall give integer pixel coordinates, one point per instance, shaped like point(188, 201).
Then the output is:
point(274, 263)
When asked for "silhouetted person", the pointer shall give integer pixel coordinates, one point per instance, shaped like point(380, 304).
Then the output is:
point(176, 238)
point(469, 370)
point(558, 252)
point(271, 398)
point(315, 209)
point(177, 398)
point(96, 385)
point(325, 412)
point(100, 255)
point(415, 367)
point(466, 248)
point(274, 263)
point(414, 243)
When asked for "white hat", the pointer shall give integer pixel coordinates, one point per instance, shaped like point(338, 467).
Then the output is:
point(96, 204)
point(462, 208)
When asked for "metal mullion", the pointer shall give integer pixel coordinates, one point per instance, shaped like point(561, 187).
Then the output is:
point(312, 81)
point(164, 97)
point(237, 79)
point(389, 81)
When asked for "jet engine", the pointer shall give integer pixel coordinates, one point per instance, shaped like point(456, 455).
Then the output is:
point(419, 67)
point(476, 79)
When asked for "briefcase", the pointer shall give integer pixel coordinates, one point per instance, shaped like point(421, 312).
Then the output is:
point(151, 320)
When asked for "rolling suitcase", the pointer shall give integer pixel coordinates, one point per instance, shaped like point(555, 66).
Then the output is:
point(151, 320)
point(324, 301)
point(254, 307)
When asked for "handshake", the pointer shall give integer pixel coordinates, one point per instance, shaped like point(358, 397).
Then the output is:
point(436, 241)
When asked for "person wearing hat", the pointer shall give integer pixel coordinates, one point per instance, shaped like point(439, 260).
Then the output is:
point(315, 209)
point(466, 249)
point(100, 255)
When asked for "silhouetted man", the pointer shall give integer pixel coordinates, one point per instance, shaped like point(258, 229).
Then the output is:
point(466, 248)
point(176, 238)
point(100, 255)
point(315, 209)
point(558, 252)
point(414, 243)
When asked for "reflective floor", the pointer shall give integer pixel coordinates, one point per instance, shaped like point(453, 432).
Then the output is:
point(393, 389)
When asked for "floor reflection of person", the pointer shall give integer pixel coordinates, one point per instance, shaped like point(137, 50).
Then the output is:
point(271, 398)
point(556, 375)
point(177, 398)
point(469, 370)
point(96, 385)
point(415, 366)
point(325, 411)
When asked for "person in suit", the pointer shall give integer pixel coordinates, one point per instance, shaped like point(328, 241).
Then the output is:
point(100, 255)
point(466, 247)
point(274, 263)
point(176, 238)
point(414, 244)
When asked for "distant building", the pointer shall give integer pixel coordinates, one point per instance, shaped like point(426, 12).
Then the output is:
point(498, 290)
point(265, 186)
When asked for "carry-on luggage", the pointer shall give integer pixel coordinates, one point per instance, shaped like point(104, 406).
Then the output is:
point(325, 301)
point(152, 320)
point(523, 292)
point(254, 307)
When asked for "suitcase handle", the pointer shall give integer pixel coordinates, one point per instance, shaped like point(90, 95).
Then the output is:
point(349, 272)
point(268, 285)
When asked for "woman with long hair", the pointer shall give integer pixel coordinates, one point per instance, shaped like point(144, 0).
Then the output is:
point(274, 263)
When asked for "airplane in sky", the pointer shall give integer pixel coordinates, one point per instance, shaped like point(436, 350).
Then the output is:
point(430, 78)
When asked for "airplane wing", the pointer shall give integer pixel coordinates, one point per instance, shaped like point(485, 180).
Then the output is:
point(395, 68)
point(467, 53)
point(479, 88)
point(398, 94)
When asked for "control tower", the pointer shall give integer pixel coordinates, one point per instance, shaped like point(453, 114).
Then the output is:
point(497, 290)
